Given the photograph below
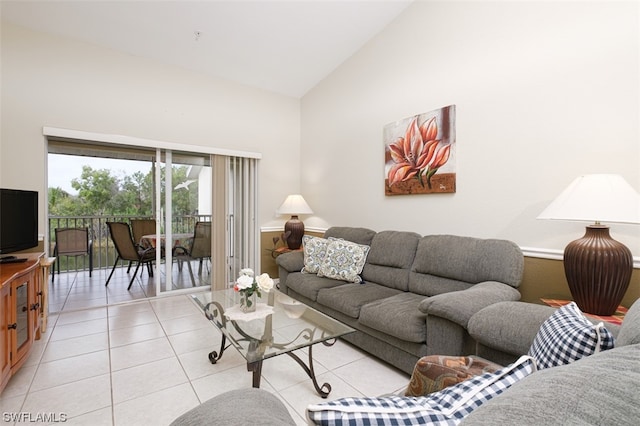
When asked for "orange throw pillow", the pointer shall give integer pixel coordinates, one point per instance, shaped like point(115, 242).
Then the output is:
point(435, 372)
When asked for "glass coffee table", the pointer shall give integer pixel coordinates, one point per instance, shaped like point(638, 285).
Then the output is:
point(280, 325)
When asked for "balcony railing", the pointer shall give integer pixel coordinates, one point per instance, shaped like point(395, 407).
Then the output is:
point(104, 253)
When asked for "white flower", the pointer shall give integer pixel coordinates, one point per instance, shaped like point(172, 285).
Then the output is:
point(247, 271)
point(264, 282)
point(244, 282)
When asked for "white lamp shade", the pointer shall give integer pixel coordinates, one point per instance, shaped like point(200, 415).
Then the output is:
point(596, 198)
point(295, 205)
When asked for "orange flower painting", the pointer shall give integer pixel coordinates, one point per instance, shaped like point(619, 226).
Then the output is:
point(420, 154)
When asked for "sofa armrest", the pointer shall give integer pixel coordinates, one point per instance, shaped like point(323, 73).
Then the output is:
point(459, 306)
point(509, 327)
point(290, 262)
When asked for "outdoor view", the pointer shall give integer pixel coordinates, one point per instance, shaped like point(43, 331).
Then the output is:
point(114, 191)
point(88, 192)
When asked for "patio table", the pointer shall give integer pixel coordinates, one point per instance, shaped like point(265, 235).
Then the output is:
point(179, 239)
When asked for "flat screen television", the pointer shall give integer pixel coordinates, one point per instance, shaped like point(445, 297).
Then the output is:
point(18, 220)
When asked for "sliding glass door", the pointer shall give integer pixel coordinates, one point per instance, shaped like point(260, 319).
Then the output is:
point(193, 196)
point(224, 210)
point(183, 215)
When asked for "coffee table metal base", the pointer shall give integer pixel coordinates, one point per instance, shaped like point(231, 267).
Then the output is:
point(256, 367)
point(254, 337)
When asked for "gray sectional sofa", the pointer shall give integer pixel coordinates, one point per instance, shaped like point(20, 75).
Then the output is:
point(418, 294)
point(600, 389)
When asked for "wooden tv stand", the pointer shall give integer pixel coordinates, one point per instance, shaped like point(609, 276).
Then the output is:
point(21, 293)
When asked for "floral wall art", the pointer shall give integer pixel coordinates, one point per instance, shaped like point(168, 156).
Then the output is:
point(419, 154)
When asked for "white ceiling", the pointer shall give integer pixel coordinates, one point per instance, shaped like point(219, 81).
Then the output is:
point(281, 46)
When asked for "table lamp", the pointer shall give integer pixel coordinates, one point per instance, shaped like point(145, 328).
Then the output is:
point(597, 267)
point(294, 205)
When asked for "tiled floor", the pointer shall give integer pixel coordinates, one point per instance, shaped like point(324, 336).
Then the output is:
point(143, 361)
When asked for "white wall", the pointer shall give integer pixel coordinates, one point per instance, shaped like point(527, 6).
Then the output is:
point(545, 92)
point(58, 82)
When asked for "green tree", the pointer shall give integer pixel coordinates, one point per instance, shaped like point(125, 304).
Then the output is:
point(135, 196)
point(56, 197)
point(96, 190)
point(100, 193)
point(61, 203)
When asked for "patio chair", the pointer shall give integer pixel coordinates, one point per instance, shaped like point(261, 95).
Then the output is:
point(198, 249)
point(127, 250)
point(140, 227)
point(72, 242)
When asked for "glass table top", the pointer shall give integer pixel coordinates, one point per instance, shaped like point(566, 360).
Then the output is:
point(279, 325)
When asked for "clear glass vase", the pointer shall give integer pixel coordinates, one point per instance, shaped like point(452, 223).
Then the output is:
point(248, 302)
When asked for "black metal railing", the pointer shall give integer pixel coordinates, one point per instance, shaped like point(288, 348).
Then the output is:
point(104, 254)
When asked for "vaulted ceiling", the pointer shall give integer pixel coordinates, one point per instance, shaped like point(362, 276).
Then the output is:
point(282, 46)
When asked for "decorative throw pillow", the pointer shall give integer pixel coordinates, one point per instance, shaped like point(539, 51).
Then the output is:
point(567, 336)
point(447, 407)
point(315, 250)
point(435, 372)
point(344, 260)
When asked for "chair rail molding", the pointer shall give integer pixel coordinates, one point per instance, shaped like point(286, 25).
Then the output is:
point(541, 253)
point(554, 254)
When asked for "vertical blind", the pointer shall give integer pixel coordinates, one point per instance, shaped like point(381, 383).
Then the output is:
point(242, 202)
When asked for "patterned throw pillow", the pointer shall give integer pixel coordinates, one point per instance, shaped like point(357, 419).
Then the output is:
point(315, 250)
point(567, 336)
point(433, 373)
point(344, 260)
point(447, 407)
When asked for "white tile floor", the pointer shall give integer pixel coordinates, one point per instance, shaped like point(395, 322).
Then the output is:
point(144, 362)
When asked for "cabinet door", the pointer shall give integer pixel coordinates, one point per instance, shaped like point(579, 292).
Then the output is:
point(22, 335)
point(35, 301)
point(5, 341)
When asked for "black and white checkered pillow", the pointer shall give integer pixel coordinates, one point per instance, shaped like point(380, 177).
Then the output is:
point(567, 336)
point(447, 407)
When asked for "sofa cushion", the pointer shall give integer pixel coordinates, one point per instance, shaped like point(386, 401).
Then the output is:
point(597, 390)
point(459, 306)
point(431, 285)
point(344, 260)
point(435, 372)
point(390, 258)
point(397, 316)
point(630, 329)
point(349, 298)
point(309, 285)
point(357, 235)
point(446, 407)
point(444, 262)
point(567, 336)
point(315, 250)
